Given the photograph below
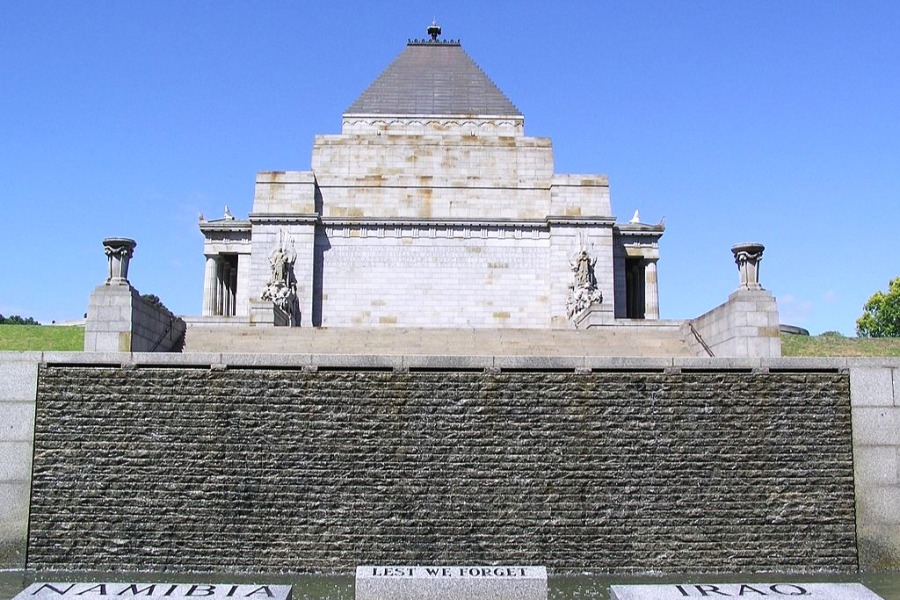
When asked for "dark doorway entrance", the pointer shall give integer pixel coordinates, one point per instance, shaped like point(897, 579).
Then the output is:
point(634, 288)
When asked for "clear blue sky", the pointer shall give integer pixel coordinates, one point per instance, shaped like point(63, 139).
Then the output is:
point(769, 121)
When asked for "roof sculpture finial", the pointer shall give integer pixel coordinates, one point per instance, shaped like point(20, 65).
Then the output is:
point(434, 30)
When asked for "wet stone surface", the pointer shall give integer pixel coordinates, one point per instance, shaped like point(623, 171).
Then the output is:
point(272, 471)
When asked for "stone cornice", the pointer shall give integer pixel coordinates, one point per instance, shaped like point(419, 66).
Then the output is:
point(416, 222)
point(565, 220)
point(640, 229)
point(426, 117)
point(305, 218)
point(229, 225)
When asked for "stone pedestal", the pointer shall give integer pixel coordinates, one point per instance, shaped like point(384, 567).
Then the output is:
point(744, 326)
point(264, 313)
point(108, 327)
point(119, 319)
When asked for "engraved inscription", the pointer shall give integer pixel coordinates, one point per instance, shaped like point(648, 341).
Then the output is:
point(406, 257)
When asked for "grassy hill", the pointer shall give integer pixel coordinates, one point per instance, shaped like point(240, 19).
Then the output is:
point(830, 344)
point(41, 337)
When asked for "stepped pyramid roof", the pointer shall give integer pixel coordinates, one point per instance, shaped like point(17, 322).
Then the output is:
point(433, 77)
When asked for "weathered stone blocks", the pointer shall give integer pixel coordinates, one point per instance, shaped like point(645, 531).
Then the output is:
point(293, 469)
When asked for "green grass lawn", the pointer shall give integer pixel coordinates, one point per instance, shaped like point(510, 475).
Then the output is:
point(41, 337)
point(837, 345)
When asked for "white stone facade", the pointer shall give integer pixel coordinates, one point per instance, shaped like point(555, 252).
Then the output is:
point(433, 221)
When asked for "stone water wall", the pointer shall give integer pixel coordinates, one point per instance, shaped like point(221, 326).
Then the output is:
point(254, 469)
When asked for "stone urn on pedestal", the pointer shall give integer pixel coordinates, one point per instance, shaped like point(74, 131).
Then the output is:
point(747, 257)
point(119, 252)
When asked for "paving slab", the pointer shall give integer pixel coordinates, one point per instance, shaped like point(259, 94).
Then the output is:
point(806, 591)
point(451, 583)
point(149, 591)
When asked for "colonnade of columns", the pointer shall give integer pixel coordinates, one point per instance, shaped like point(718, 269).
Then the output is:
point(220, 286)
point(642, 289)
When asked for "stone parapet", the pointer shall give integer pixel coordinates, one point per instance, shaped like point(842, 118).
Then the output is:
point(120, 320)
point(745, 325)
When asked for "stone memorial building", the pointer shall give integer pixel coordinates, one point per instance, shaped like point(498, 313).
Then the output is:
point(431, 208)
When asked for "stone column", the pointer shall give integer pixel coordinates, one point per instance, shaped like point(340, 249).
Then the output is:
point(226, 288)
point(651, 289)
point(747, 257)
point(209, 287)
point(118, 252)
point(220, 287)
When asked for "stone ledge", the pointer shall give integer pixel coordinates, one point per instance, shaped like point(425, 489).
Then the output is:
point(615, 363)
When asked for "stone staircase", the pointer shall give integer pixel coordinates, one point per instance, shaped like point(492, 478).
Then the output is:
point(636, 338)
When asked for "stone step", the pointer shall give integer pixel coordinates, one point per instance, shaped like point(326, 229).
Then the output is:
point(622, 340)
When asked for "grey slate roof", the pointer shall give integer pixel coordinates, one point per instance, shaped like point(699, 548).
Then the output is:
point(433, 78)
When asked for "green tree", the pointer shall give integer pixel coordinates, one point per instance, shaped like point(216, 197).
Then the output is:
point(882, 313)
point(17, 320)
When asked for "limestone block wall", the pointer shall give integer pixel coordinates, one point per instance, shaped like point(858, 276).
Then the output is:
point(284, 192)
point(444, 160)
point(580, 196)
point(154, 329)
point(374, 202)
point(252, 469)
point(434, 177)
point(745, 325)
point(18, 389)
point(437, 276)
point(428, 230)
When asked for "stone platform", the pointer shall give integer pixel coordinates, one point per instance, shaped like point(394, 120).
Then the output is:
point(637, 338)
